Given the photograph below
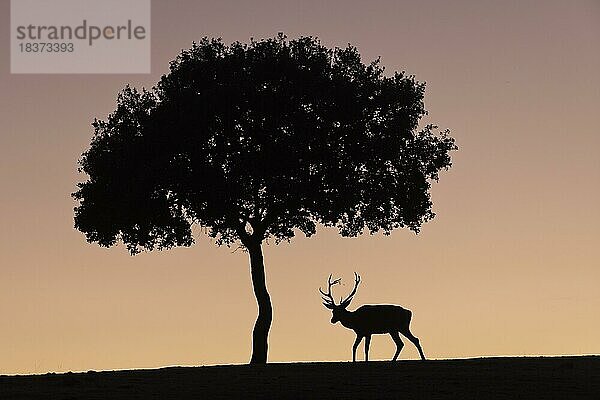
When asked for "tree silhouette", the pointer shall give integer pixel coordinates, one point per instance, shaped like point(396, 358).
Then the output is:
point(257, 141)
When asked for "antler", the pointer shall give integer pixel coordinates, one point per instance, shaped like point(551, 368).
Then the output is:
point(328, 300)
point(346, 302)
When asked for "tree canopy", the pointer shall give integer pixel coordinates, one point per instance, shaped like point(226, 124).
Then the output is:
point(261, 140)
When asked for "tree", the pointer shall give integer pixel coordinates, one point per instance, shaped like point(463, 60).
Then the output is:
point(257, 141)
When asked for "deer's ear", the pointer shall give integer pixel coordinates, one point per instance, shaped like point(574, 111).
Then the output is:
point(330, 306)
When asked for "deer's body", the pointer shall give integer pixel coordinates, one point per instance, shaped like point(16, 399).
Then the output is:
point(375, 319)
point(369, 320)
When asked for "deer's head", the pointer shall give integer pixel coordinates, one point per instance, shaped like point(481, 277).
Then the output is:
point(338, 309)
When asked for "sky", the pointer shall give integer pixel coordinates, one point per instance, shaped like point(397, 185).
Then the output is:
point(509, 266)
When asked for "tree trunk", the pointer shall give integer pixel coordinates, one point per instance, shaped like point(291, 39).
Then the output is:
point(260, 333)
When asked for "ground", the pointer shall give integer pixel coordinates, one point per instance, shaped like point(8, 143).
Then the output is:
point(481, 378)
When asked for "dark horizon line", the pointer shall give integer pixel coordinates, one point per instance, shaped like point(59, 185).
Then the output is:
point(349, 362)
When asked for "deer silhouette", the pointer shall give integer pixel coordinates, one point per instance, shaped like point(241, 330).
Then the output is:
point(368, 320)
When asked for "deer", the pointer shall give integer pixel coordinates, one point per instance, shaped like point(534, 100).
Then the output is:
point(370, 320)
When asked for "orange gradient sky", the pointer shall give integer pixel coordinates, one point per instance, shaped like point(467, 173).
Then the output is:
point(510, 265)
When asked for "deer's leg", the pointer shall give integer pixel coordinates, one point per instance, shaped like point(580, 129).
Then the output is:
point(356, 343)
point(414, 341)
point(367, 344)
point(399, 344)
